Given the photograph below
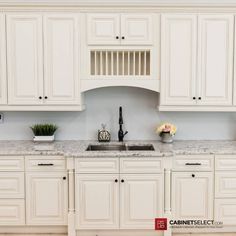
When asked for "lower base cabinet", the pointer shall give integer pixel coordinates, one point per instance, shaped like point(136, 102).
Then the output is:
point(140, 200)
point(110, 201)
point(46, 197)
point(97, 201)
point(225, 211)
point(192, 195)
point(12, 212)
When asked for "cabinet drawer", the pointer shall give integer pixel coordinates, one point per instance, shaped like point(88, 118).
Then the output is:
point(11, 163)
point(225, 211)
point(225, 162)
point(193, 163)
point(225, 184)
point(97, 165)
point(140, 165)
point(12, 212)
point(12, 185)
point(45, 163)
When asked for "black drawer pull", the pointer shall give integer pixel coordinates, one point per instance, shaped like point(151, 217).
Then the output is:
point(45, 164)
point(193, 164)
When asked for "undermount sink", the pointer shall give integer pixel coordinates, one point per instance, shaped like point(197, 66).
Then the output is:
point(120, 147)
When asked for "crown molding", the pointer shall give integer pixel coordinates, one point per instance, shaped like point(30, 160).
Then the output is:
point(103, 3)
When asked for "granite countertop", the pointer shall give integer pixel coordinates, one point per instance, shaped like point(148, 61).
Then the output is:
point(78, 148)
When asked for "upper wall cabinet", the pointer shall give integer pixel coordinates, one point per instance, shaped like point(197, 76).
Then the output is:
point(197, 73)
point(43, 59)
point(61, 47)
point(215, 62)
point(3, 79)
point(25, 59)
point(116, 29)
point(178, 60)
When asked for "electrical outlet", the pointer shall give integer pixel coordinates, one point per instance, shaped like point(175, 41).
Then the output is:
point(1, 117)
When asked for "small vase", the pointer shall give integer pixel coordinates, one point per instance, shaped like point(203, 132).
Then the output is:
point(166, 137)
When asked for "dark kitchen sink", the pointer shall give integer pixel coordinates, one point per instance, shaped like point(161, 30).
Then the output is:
point(147, 147)
point(120, 147)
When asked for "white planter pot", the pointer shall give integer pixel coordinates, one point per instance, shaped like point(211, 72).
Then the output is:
point(44, 138)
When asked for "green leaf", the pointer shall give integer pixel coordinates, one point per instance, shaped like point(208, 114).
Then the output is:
point(44, 129)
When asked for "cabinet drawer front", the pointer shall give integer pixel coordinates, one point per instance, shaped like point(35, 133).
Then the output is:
point(39, 163)
point(225, 211)
point(140, 165)
point(193, 163)
point(11, 163)
point(97, 165)
point(225, 162)
point(225, 184)
point(12, 212)
point(12, 185)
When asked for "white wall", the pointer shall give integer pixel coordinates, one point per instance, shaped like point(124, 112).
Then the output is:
point(140, 118)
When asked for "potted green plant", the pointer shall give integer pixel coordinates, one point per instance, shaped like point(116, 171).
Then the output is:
point(44, 132)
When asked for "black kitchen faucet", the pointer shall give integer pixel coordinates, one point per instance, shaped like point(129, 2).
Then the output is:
point(121, 133)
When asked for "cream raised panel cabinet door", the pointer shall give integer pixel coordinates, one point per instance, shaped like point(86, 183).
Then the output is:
point(192, 196)
point(136, 29)
point(178, 59)
point(141, 200)
point(61, 52)
point(103, 28)
point(215, 56)
point(3, 77)
point(24, 59)
point(97, 201)
point(46, 198)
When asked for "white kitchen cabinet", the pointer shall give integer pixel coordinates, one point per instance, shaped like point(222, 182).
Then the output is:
point(178, 59)
point(197, 59)
point(43, 60)
point(12, 212)
point(46, 197)
point(192, 196)
point(225, 211)
point(136, 29)
point(215, 59)
point(3, 77)
point(141, 200)
point(97, 201)
point(25, 59)
point(106, 199)
point(116, 29)
point(103, 28)
point(12, 185)
point(61, 52)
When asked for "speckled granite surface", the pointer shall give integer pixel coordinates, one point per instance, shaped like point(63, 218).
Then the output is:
point(78, 148)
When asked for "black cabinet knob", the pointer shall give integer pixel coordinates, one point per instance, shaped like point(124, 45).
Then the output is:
point(116, 180)
point(46, 97)
point(193, 175)
point(123, 37)
point(122, 181)
point(199, 98)
point(40, 97)
point(64, 178)
point(194, 98)
point(117, 37)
